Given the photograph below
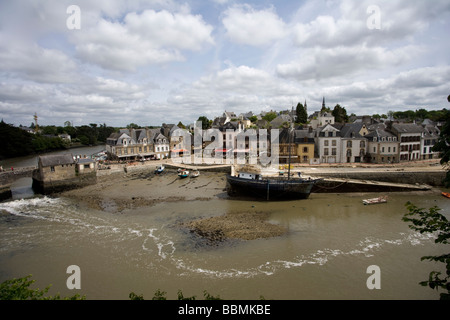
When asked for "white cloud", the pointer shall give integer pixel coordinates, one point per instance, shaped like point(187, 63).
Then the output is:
point(247, 26)
point(142, 39)
point(317, 63)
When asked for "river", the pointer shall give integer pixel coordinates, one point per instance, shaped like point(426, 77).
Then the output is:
point(331, 241)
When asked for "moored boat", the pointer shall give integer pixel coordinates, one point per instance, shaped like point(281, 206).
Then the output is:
point(375, 200)
point(159, 169)
point(183, 174)
point(195, 174)
point(270, 188)
point(446, 194)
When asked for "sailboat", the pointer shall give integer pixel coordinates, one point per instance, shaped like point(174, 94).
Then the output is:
point(254, 184)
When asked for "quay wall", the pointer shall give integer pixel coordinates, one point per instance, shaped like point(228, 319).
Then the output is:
point(431, 178)
point(9, 177)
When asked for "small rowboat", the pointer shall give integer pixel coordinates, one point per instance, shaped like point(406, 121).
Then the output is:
point(159, 169)
point(195, 174)
point(183, 174)
point(446, 194)
point(375, 200)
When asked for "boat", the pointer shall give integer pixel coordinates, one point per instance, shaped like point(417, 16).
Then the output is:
point(375, 200)
point(183, 174)
point(159, 169)
point(195, 174)
point(446, 194)
point(270, 188)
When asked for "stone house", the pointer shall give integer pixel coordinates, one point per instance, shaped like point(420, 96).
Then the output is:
point(61, 172)
point(304, 144)
point(409, 136)
point(138, 144)
point(430, 137)
point(383, 146)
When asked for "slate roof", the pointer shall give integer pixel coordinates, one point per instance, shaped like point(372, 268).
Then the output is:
point(56, 160)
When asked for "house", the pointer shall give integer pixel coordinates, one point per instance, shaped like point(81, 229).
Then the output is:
point(61, 172)
point(328, 144)
point(430, 137)
point(383, 146)
point(409, 136)
point(320, 119)
point(353, 143)
point(281, 120)
point(138, 144)
point(304, 144)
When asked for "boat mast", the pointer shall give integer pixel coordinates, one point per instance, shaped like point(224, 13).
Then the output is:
point(289, 162)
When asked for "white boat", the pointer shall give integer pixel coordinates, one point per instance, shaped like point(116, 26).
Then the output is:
point(375, 200)
point(195, 174)
point(159, 169)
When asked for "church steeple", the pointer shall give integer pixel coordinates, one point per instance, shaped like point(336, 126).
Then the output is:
point(323, 103)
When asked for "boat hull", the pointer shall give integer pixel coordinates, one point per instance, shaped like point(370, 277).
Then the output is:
point(270, 189)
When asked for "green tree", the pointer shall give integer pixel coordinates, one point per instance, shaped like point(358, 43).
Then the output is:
point(253, 119)
point(432, 222)
point(302, 115)
point(443, 146)
point(340, 114)
point(269, 116)
point(19, 289)
point(206, 124)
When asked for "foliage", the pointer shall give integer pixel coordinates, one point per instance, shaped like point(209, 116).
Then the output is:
point(432, 222)
point(340, 114)
point(434, 115)
point(253, 119)
point(302, 115)
point(443, 146)
point(19, 289)
point(269, 116)
point(161, 295)
point(206, 124)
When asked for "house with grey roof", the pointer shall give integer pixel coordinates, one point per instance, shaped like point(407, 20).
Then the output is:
point(383, 146)
point(353, 143)
point(328, 143)
point(138, 144)
point(62, 172)
point(430, 137)
point(409, 136)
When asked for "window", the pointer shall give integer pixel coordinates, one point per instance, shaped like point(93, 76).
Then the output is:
point(333, 151)
point(326, 152)
point(52, 169)
point(305, 149)
point(349, 144)
point(326, 143)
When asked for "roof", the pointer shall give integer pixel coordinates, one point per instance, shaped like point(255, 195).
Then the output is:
point(56, 160)
point(407, 128)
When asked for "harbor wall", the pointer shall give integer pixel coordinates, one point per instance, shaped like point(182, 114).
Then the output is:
point(431, 178)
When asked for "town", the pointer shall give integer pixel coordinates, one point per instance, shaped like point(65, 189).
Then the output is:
point(360, 139)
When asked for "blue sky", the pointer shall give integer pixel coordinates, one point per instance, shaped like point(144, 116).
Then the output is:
point(156, 61)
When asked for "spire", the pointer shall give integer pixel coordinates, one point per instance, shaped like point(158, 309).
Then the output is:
point(323, 103)
point(306, 107)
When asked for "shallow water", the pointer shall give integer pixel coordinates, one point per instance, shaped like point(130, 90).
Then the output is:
point(331, 240)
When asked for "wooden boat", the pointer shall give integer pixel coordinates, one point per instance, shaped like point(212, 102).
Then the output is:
point(183, 174)
point(375, 200)
point(159, 169)
point(446, 194)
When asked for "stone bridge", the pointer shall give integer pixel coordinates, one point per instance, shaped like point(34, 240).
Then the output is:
point(8, 177)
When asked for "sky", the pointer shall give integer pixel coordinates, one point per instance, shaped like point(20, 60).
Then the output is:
point(163, 61)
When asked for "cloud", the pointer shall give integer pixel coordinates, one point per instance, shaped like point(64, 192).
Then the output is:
point(247, 26)
point(318, 63)
point(142, 39)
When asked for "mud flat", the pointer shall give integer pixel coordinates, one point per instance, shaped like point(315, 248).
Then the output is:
point(238, 225)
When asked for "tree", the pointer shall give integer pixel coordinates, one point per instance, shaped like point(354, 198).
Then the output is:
point(432, 222)
point(302, 115)
point(206, 124)
point(443, 146)
point(19, 289)
point(340, 114)
point(269, 116)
